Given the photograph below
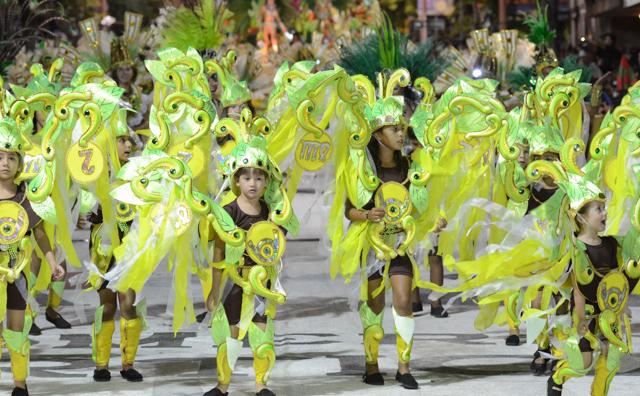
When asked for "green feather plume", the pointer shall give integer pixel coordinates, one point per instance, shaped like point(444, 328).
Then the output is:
point(540, 33)
point(388, 49)
point(201, 27)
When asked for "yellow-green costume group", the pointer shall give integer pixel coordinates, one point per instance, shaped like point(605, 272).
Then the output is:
point(164, 208)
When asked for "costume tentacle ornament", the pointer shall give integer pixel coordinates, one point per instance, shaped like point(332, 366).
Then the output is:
point(165, 225)
point(182, 115)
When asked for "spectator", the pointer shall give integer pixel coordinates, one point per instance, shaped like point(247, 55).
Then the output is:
point(608, 54)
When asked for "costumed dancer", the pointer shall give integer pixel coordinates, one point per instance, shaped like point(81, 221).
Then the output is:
point(604, 272)
point(604, 252)
point(18, 222)
point(373, 184)
point(270, 23)
point(262, 209)
point(173, 217)
point(102, 258)
point(387, 49)
point(37, 102)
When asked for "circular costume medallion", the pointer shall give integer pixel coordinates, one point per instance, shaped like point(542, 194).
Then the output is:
point(613, 292)
point(394, 198)
point(125, 212)
point(265, 243)
point(312, 152)
point(85, 164)
point(14, 222)
point(180, 217)
point(193, 157)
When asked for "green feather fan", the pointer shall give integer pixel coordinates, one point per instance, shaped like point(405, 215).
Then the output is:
point(201, 28)
point(388, 49)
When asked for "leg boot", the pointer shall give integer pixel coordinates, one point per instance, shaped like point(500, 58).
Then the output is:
point(102, 336)
point(373, 333)
point(129, 339)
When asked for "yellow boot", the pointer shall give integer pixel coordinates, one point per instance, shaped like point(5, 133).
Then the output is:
point(102, 336)
point(404, 328)
point(19, 346)
point(373, 333)
point(606, 369)
point(129, 339)
point(264, 356)
point(19, 365)
point(228, 347)
point(102, 340)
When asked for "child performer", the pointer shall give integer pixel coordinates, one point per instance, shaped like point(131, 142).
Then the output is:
point(19, 220)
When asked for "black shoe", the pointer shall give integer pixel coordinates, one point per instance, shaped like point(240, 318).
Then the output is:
point(416, 307)
point(101, 375)
point(265, 392)
point(200, 317)
point(131, 375)
point(373, 379)
point(553, 389)
point(536, 367)
point(19, 392)
point(58, 321)
point(406, 380)
point(439, 312)
point(34, 330)
point(513, 340)
point(216, 392)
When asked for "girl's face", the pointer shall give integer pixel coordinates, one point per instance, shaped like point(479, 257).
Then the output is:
point(213, 84)
point(125, 74)
point(593, 217)
point(523, 158)
point(124, 149)
point(252, 183)
point(392, 136)
point(9, 165)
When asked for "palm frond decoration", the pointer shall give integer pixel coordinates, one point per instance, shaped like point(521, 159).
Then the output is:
point(389, 43)
point(540, 33)
point(24, 22)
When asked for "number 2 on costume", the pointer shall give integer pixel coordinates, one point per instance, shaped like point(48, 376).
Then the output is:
point(87, 168)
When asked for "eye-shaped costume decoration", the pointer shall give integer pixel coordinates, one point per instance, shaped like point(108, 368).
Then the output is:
point(395, 200)
point(461, 133)
point(308, 111)
point(558, 97)
point(617, 146)
point(234, 92)
point(169, 211)
point(182, 115)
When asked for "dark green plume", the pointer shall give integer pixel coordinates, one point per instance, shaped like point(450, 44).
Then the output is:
point(540, 33)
